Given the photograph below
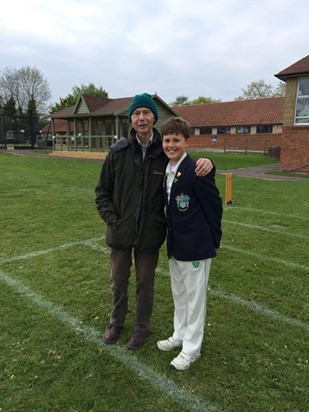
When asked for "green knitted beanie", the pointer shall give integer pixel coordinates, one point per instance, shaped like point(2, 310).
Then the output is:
point(143, 100)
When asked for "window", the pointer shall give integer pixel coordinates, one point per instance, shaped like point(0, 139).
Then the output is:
point(82, 127)
point(205, 130)
point(243, 129)
point(264, 128)
point(125, 127)
point(302, 102)
point(99, 127)
point(108, 127)
point(223, 130)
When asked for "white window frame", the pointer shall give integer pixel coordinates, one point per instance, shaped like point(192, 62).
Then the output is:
point(301, 116)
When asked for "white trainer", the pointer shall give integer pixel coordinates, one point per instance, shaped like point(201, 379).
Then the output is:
point(183, 361)
point(169, 344)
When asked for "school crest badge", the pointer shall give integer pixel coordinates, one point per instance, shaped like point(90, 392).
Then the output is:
point(182, 202)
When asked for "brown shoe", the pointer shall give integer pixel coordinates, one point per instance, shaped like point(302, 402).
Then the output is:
point(111, 335)
point(138, 339)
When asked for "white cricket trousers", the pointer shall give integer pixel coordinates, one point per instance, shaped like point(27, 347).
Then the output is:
point(189, 288)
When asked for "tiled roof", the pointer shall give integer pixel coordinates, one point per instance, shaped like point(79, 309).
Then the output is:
point(114, 106)
point(68, 111)
point(301, 67)
point(60, 126)
point(95, 102)
point(236, 113)
point(97, 106)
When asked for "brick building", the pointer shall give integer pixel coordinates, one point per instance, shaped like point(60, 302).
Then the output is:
point(239, 125)
point(295, 132)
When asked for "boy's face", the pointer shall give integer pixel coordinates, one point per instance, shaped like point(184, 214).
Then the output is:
point(174, 146)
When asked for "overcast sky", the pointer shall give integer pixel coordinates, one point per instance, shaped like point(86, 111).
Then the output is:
point(194, 48)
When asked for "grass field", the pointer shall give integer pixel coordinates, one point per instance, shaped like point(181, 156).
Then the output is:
point(55, 302)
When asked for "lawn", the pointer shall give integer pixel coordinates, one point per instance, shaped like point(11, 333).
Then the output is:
point(55, 302)
point(234, 160)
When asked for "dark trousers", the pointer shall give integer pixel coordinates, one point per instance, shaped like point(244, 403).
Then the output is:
point(145, 265)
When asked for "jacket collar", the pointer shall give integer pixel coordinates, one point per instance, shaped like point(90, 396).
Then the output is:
point(155, 147)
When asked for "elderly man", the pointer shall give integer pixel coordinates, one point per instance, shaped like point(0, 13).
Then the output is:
point(130, 200)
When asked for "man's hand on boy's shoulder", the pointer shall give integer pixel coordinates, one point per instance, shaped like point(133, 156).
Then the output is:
point(203, 166)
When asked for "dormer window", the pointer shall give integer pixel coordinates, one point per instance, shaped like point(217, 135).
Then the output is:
point(302, 102)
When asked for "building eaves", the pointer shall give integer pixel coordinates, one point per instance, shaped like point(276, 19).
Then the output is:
point(300, 68)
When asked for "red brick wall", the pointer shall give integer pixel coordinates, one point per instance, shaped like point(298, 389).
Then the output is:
point(295, 148)
point(239, 141)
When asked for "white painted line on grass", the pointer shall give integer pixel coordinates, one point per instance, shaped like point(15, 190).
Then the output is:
point(264, 212)
point(166, 386)
point(94, 245)
point(261, 309)
point(50, 250)
point(287, 263)
point(274, 315)
point(267, 229)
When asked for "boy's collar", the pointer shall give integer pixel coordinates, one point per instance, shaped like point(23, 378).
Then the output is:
point(170, 168)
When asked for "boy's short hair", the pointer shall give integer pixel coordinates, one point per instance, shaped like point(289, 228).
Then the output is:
point(176, 125)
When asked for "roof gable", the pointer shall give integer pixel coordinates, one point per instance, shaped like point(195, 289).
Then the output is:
point(88, 104)
point(301, 67)
point(81, 106)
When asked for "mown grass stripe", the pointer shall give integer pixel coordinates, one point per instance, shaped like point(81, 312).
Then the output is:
point(166, 386)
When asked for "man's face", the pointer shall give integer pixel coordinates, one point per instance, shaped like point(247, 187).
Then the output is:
point(143, 120)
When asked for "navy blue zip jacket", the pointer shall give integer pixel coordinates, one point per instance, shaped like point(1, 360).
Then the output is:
point(194, 214)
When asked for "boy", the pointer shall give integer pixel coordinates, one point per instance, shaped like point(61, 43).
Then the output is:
point(194, 213)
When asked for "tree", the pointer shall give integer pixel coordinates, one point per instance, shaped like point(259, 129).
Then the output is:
point(23, 85)
point(184, 100)
point(279, 91)
point(9, 108)
point(261, 90)
point(204, 100)
point(71, 99)
point(34, 121)
point(89, 90)
point(180, 101)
